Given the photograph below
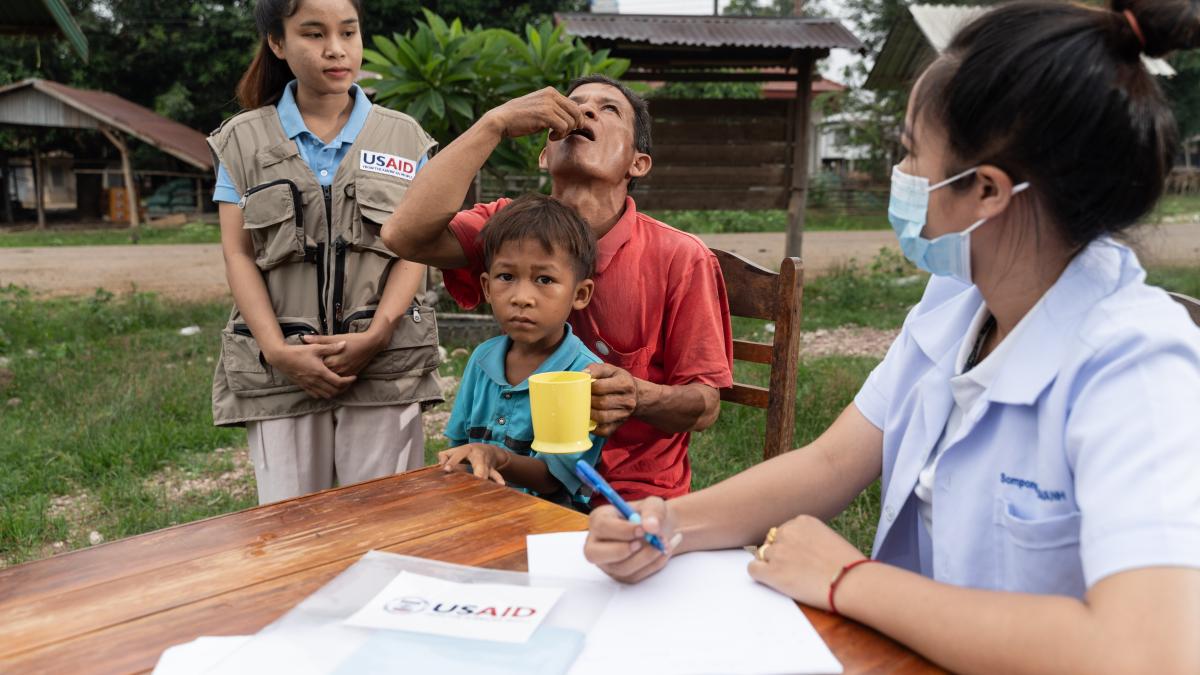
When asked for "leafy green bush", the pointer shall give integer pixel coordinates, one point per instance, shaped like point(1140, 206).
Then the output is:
point(446, 76)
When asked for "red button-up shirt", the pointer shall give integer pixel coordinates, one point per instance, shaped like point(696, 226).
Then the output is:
point(659, 311)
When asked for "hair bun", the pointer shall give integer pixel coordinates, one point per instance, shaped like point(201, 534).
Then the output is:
point(1166, 25)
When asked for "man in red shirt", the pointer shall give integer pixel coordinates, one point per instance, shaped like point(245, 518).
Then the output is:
point(659, 317)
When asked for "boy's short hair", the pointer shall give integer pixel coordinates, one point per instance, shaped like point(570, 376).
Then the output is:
point(547, 221)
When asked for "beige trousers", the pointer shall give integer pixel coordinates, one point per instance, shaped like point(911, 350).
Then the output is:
point(296, 456)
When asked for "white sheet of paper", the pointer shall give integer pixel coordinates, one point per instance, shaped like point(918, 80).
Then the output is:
point(497, 612)
point(198, 656)
point(701, 614)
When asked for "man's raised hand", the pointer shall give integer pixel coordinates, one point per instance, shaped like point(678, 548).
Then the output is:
point(535, 112)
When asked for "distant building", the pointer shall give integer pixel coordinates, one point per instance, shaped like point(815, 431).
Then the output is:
point(96, 186)
point(831, 149)
point(605, 6)
point(834, 150)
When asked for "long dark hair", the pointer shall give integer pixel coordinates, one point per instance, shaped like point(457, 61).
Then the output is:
point(263, 82)
point(1056, 94)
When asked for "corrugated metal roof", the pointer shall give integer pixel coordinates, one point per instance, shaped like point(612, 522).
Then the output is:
point(713, 31)
point(929, 29)
point(171, 137)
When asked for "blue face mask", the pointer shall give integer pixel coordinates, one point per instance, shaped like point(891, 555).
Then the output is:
point(950, 254)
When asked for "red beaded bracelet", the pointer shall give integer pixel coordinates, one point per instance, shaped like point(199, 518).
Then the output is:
point(837, 579)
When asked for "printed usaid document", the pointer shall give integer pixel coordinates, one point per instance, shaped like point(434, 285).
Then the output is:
point(315, 638)
point(421, 604)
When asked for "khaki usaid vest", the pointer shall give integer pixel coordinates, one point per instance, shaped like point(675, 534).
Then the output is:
point(323, 263)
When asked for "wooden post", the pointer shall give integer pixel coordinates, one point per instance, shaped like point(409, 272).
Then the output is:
point(798, 197)
point(199, 196)
point(114, 137)
point(39, 183)
point(5, 179)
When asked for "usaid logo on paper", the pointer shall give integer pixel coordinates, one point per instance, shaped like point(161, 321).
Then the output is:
point(417, 605)
point(389, 165)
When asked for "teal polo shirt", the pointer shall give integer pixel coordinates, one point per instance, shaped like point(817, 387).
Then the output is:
point(489, 410)
point(323, 158)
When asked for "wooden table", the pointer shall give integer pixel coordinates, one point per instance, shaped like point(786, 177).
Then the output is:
point(116, 607)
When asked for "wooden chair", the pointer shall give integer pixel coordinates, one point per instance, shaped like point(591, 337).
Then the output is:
point(1192, 305)
point(758, 293)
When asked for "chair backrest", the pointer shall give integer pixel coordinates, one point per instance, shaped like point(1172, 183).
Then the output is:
point(1189, 303)
point(758, 293)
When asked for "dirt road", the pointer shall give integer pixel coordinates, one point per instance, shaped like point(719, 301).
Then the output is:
point(196, 271)
point(182, 271)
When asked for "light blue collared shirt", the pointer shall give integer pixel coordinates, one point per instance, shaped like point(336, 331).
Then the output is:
point(1080, 459)
point(323, 158)
point(487, 409)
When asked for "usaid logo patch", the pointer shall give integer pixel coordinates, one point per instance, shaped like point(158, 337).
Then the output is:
point(389, 165)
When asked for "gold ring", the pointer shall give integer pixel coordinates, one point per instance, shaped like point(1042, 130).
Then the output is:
point(771, 534)
point(761, 553)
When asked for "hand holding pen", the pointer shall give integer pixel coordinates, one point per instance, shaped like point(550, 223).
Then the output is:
point(627, 547)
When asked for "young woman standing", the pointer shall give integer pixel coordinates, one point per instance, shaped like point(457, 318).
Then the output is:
point(326, 359)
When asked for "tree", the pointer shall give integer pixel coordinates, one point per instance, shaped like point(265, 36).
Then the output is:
point(445, 76)
point(184, 59)
point(694, 90)
point(385, 17)
point(755, 8)
point(1183, 91)
point(882, 113)
point(773, 8)
point(878, 115)
point(181, 58)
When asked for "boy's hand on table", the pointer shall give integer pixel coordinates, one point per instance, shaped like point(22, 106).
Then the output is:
point(614, 397)
point(486, 460)
point(534, 112)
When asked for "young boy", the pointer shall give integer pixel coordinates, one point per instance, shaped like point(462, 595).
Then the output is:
point(539, 256)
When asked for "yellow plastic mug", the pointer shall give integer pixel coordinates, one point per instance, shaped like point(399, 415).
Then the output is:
point(561, 406)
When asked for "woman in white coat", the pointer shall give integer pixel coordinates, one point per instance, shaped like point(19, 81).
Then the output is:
point(1036, 424)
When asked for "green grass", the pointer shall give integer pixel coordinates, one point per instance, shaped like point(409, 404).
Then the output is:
point(826, 386)
point(820, 218)
point(1184, 280)
point(1179, 205)
point(114, 405)
point(696, 222)
point(876, 295)
point(191, 233)
point(717, 222)
point(100, 394)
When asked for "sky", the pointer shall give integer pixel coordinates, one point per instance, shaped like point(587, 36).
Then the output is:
point(831, 67)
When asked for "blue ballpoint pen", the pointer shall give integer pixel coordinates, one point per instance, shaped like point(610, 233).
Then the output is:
point(595, 481)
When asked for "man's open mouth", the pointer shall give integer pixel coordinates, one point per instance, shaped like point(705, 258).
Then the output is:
point(585, 132)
